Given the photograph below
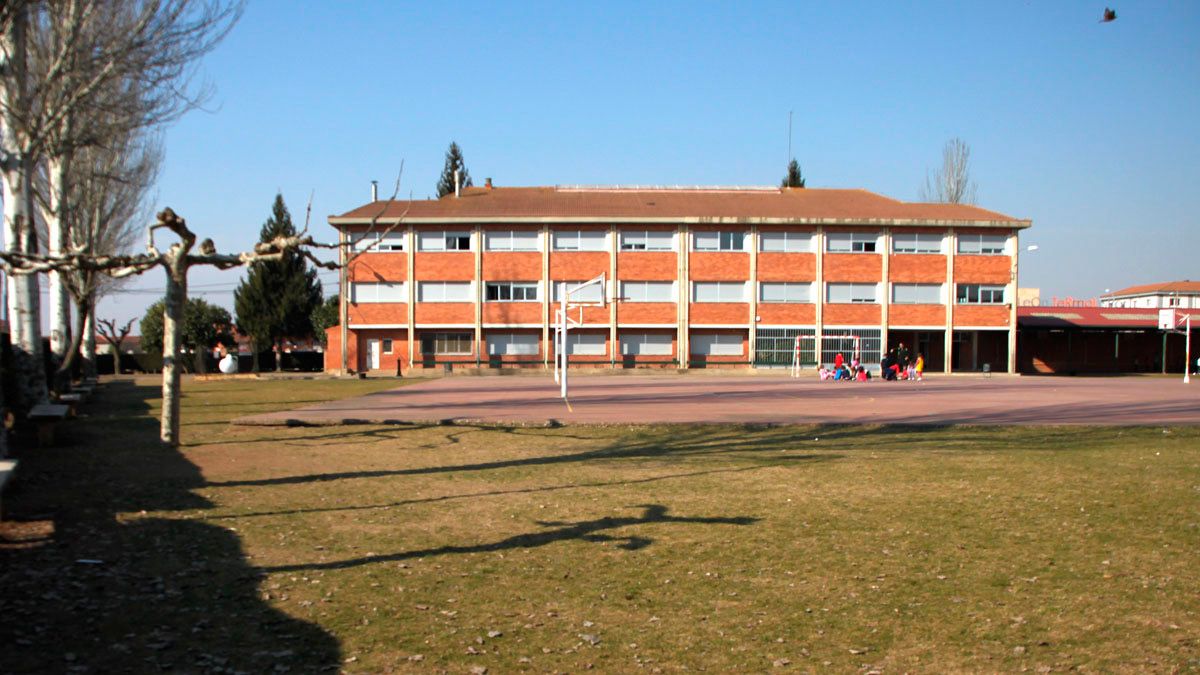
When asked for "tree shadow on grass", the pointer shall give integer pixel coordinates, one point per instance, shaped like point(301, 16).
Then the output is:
point(721, 444)
point(500, 493)
point(595, 531)
point(92, 583)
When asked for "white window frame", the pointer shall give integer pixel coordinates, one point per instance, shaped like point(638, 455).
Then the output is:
point(717, 344)
point(856, 242)
point(918, 289)
point(637, 291)
point(922, 243)
point(376, 292)
point(641, 240)
point(512, 289)
point(427, 240)
point(389, 242)
point(854, 289)
point(587, 344)
point(725, 291)
point(980, 291)
point(719, 240)
point(514, 344)
point(973, 244)
point(387, 345)
point(579, 240)
point(790, 241)
point(507, 240)
point(802, 289)
point(425, 291)
point(646, 344)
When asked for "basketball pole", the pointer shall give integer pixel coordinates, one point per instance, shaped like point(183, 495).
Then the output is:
point(562, 332)
point(1187, 349)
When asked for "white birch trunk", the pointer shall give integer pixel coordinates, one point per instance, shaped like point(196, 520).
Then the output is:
point(57, 228)
point(23, 302)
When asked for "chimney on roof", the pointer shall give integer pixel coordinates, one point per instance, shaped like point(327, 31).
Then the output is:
point(487, 183)
point(374, 191)
point(457, 188)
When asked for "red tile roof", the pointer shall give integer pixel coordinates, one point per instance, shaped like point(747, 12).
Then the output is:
point(1090, 317)
point(811, 205)
point(1157, 289)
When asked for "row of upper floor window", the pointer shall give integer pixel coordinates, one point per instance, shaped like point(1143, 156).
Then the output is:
point(666, 291)
point(799, 241)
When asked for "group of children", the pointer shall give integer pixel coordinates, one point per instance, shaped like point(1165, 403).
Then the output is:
point(895, 365)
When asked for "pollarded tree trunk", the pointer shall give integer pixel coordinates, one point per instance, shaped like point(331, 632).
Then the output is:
point(176, 299)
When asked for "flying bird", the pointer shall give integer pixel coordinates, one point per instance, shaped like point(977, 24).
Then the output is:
point(1109, 15)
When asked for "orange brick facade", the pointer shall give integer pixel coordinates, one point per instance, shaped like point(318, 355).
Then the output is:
point(679, 328)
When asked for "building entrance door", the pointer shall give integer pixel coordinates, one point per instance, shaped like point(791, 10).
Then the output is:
point(372, 354)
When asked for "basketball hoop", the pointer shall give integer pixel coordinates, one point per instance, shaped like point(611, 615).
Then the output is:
point(1169, 320)
point(563, 323)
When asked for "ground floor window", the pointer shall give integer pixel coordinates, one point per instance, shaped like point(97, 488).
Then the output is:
point(512, 344)
point(717, 344)
point(457, 344)
point(586, 344)
point(646, 344)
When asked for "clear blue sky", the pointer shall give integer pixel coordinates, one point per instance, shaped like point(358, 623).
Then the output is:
point(1091, 130)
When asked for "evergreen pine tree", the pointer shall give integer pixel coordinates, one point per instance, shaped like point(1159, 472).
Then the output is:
point(793, 178)
point(277, 298)
point(454, 160)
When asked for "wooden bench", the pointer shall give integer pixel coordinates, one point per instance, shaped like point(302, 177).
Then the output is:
point(46, 415)
point(7, 468)
point(72, 401)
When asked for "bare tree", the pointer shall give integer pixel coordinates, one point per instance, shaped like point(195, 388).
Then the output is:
point(952, 184)
point(60, 62)
point(108, 203)
point(115, 337)
point(177, 260)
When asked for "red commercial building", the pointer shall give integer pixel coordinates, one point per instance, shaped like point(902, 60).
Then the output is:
point(697, 277)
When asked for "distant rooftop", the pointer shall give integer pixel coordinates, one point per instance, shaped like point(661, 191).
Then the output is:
point(1186, 287)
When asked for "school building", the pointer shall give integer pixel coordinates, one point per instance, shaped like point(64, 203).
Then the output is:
point(697, 277)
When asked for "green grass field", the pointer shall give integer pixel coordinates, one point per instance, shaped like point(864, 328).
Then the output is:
point(377, 549)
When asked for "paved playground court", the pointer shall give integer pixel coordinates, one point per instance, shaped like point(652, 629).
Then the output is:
point(649, 399)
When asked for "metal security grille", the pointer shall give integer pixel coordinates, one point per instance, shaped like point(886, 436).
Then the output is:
point(774, 347)
point(842, 340)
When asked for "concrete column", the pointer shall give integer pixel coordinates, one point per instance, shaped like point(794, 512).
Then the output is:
point(477, 248)
point(952, 244)
point(343, 302)
point(684, 295)
point(1015, 242)
point(753, 334)
point(820, 328)
point(886, 301)
point(410, 246)
point(614, 292)
point(547, 293)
